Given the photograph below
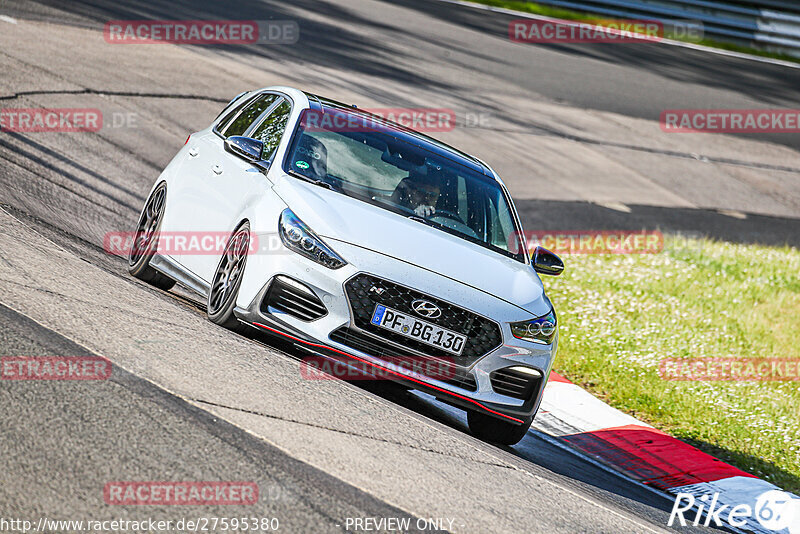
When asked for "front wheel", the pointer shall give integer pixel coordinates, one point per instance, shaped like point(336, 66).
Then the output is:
point(145, 241)
point(227, 279)
point(495, 430)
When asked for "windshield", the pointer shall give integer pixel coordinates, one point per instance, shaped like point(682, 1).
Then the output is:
point(374, 165)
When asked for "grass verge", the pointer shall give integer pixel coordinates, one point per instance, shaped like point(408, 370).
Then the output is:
point(566, 14)
point(621, 315)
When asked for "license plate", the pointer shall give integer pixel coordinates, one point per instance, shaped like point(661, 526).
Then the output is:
point(423, 331)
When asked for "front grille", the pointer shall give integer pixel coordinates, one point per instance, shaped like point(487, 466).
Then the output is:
point(359, 341)
point(365, 291)
point(289, 296)
point(514, 383)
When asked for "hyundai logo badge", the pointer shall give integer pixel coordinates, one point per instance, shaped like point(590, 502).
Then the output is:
point(426, 309)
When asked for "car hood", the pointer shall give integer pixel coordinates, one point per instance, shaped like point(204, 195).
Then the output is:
point(335, 216)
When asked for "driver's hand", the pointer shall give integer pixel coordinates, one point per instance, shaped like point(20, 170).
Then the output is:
point(424, 211)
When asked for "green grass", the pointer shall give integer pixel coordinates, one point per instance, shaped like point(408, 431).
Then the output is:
point(566, 14)
point(620, 315)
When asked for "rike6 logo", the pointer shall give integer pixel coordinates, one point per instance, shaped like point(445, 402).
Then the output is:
point(774, 510)
point(778, 510)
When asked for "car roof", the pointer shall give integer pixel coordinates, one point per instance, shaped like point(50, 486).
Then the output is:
point(403, 133)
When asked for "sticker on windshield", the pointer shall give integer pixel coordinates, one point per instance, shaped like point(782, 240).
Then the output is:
point(301, 164)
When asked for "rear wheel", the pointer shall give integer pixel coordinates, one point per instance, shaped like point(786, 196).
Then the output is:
point(495, 430)
point(227, 279)
point(145, 241)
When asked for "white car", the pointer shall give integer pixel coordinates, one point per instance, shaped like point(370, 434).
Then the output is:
point(377, 246)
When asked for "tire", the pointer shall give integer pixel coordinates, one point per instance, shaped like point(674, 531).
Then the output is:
point(145, 242)
point(227, 280)
point(488, 428)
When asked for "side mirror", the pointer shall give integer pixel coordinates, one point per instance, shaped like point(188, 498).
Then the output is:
point(246, 148)
point(545, 262)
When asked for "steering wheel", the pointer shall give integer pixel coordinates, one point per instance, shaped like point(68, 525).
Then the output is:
point(455, 222)
point(447, 214)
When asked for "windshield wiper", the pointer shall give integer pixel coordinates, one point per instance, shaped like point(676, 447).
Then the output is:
point(315, 181)
point(424, 221)
point(322, 183)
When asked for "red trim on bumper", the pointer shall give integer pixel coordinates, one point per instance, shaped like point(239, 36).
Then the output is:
point(402, 376)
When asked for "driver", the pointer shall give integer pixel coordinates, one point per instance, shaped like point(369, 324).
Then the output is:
point(418, 192)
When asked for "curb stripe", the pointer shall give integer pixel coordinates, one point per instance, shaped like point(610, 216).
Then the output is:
point(555, 377)
point(580, 411)
point(653, 457)
point(602, 433)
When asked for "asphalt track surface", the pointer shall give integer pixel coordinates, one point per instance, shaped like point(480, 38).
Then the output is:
point(570, 129)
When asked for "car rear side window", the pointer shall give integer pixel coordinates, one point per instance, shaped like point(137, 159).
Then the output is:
point(231, 114)
point(240, 123)
point(271, 129)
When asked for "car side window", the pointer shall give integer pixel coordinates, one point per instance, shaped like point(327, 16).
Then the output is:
point(253, 111)
point(503, 228)
point(271, 129)
point(231, 114)
point(231, 109)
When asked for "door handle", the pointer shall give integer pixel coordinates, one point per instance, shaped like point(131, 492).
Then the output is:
point(193, 151)
point(217, 169)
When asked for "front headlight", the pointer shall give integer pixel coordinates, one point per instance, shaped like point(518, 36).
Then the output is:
point(539, 330)
point(298, 237)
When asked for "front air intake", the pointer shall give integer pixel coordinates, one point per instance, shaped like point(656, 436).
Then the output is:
point(517, 382)
point(288, 296)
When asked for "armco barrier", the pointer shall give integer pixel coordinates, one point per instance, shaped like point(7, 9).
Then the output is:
point(767, 24)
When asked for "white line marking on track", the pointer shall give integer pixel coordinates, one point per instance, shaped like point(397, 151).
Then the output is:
point(733, 213)
point(6, 18)
point(616, 206)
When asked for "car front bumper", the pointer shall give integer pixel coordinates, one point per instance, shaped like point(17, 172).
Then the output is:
point(329, 287)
